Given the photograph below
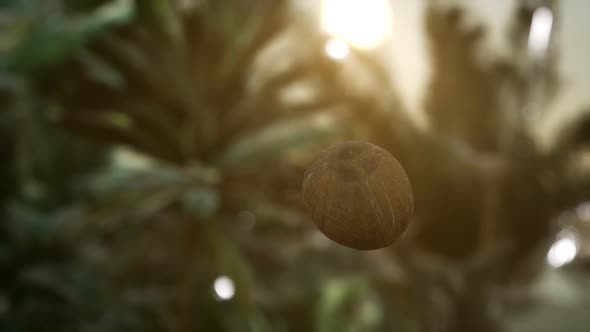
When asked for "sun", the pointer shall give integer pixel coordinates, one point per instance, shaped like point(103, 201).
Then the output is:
point(361, 23)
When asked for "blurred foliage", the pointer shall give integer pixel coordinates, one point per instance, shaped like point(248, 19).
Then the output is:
point(150, 147)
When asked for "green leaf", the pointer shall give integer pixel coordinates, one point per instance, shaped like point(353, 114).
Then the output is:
point(115, 12)
point(202, 202)
point(101, 71)
point(229, 262)
point(161, 14)
point(47, 44)
point(20, 4)
point(348, 305)
point(51, 41)
point(276, 139)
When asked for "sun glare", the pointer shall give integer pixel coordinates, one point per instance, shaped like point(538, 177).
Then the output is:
point(361, 23)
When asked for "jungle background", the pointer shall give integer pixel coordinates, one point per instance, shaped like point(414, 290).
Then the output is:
point(153, 150)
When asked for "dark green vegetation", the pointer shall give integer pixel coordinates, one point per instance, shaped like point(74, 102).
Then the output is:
point(96, 238)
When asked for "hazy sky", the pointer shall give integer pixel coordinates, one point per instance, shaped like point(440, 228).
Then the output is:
point(410, 63)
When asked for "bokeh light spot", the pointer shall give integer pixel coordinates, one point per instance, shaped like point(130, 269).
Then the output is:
point(224, 288)
point(337, 49)
point(563, 250)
